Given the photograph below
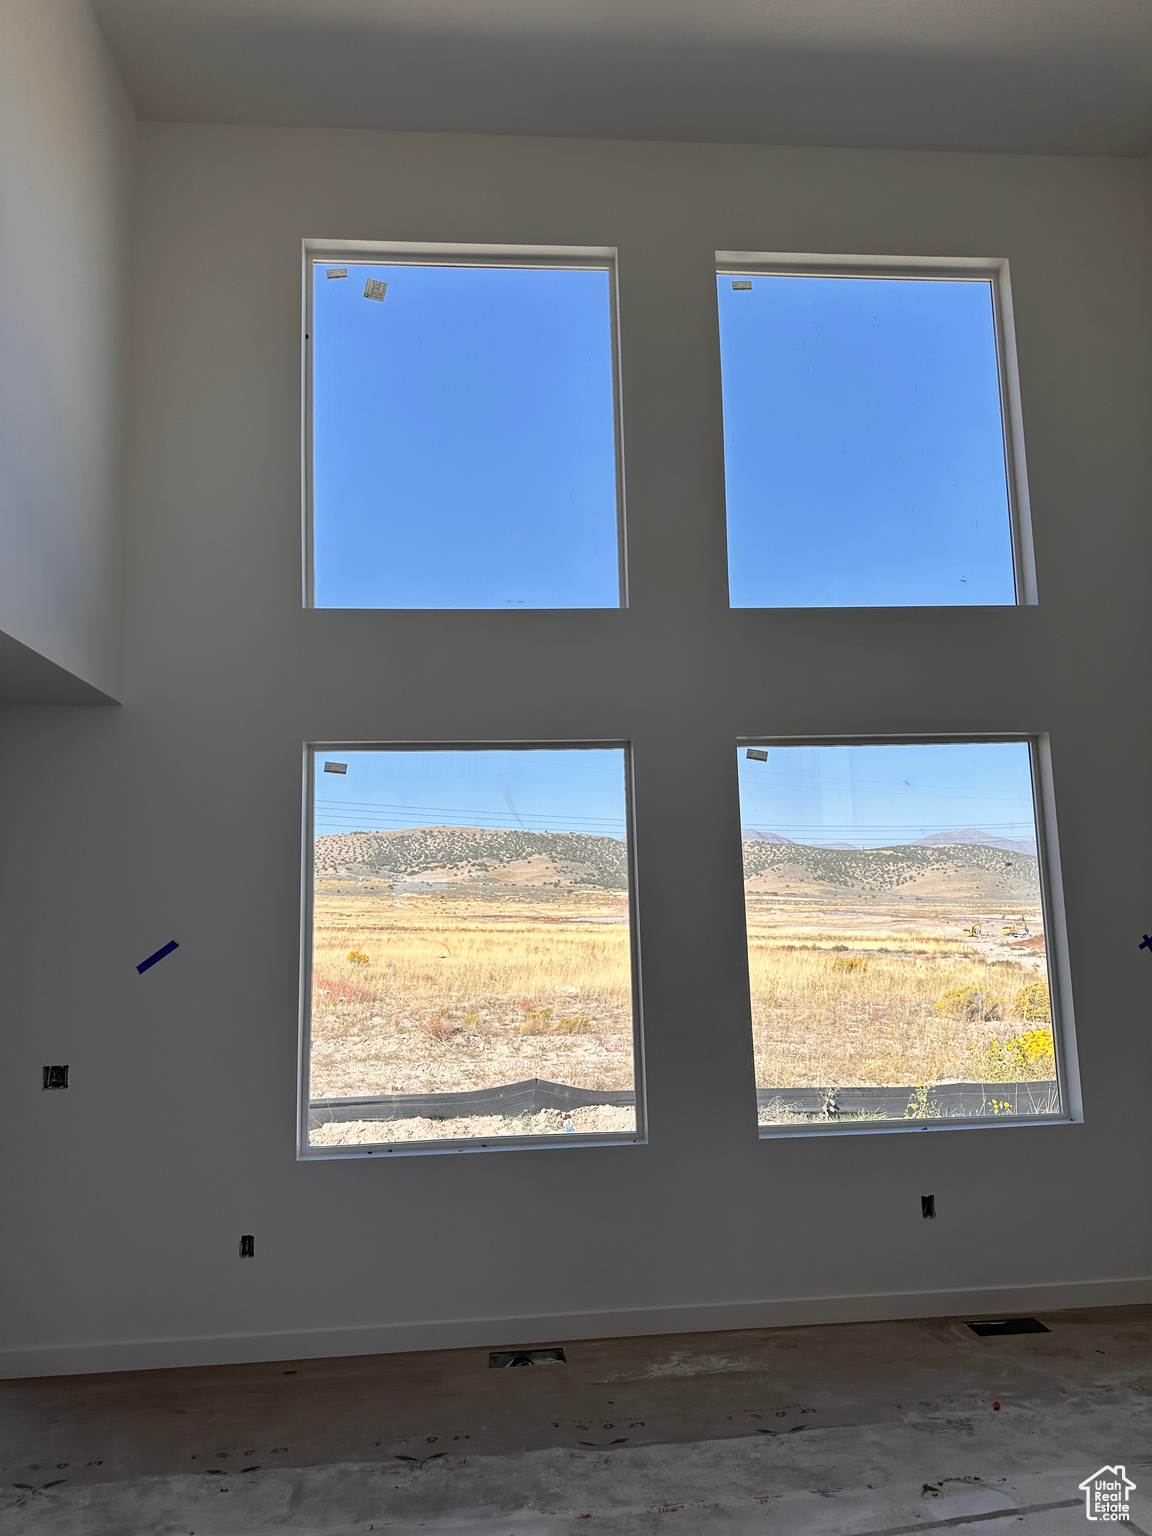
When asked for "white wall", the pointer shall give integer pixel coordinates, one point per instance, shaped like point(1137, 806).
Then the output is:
point(67, 138)
point(178, 816)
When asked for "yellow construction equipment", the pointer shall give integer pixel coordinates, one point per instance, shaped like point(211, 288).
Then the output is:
point(974, 931)
point(1017, 928)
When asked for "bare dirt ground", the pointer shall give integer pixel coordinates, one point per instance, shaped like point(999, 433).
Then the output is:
point(603, 1118)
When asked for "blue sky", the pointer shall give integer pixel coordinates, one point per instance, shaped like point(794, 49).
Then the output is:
point(866, 795)
point(553, 790)
point(464, 438)
point(875, 795)
point(864, 458)
point(464, 443)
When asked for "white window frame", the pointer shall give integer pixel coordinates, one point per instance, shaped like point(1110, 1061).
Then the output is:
point(351, 253)
point(711, 616)
point(937, 269)
point(307, 1152)
point(1055, 933)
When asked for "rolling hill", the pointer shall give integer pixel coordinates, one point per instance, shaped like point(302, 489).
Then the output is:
point(973, 835)
point(974, 874)
point(967, 873)
point(481, 854)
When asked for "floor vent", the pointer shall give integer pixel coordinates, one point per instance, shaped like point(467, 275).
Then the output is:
point(500, 1359)
point(1009, 1325)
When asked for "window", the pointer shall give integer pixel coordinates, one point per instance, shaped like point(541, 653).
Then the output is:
point(462, 440)
point(471, 948)
point(864, 440)
point(472, 969)
point(897, 933)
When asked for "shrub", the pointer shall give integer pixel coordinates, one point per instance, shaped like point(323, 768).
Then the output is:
point(538, 1022)
point(921, 1104)
point(358, 957)
point(354, 986)
point(1026, 1056)
point(573, 1026)
point(969, 1003)
point(1033, 1045)
point(542, 1023)
point(1033, 1003)
point(439, 1027)
point(852, 963)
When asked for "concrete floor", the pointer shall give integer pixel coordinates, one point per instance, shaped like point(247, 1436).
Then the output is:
point(851, 1430)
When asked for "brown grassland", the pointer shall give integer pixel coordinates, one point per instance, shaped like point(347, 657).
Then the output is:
point(440, 993)
point(866, 997)
point(457, 993)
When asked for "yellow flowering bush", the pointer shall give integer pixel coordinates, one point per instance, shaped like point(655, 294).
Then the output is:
point(358, 957)
point(1033, 1045)
point(1026, 1056)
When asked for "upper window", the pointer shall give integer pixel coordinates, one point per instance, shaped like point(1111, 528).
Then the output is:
point(463, 433)
point(864, 441)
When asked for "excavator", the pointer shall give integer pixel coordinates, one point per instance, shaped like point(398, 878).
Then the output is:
point(974, 931)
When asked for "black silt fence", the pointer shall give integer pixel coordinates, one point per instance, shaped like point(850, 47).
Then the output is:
point(936, 1101)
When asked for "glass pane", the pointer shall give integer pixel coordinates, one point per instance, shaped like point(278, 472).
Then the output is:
point(863, 443)
point(895, 933)
point(472, 957)
point(463, 437)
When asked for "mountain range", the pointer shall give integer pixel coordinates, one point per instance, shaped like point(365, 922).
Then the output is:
point(934, 840)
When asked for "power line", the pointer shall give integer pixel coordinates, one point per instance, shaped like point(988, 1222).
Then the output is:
point(442, 810)
point(360, 824)
point(989, 827)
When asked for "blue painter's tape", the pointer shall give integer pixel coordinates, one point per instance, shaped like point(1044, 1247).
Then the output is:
point(159, 955)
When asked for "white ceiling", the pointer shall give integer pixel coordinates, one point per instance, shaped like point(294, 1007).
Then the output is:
point(1067, 76)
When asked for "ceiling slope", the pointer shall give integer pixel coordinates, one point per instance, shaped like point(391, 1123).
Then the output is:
point(1040, 76)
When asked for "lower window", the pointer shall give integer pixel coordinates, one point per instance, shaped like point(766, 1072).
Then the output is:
point(897, 934)
point(470, 946)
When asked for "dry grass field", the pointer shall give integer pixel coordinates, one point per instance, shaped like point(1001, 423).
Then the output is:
point(866, 997)
point(442, 993)
point(445, 993)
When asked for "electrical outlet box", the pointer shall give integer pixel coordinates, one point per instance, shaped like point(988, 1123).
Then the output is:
point(55, 1077)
